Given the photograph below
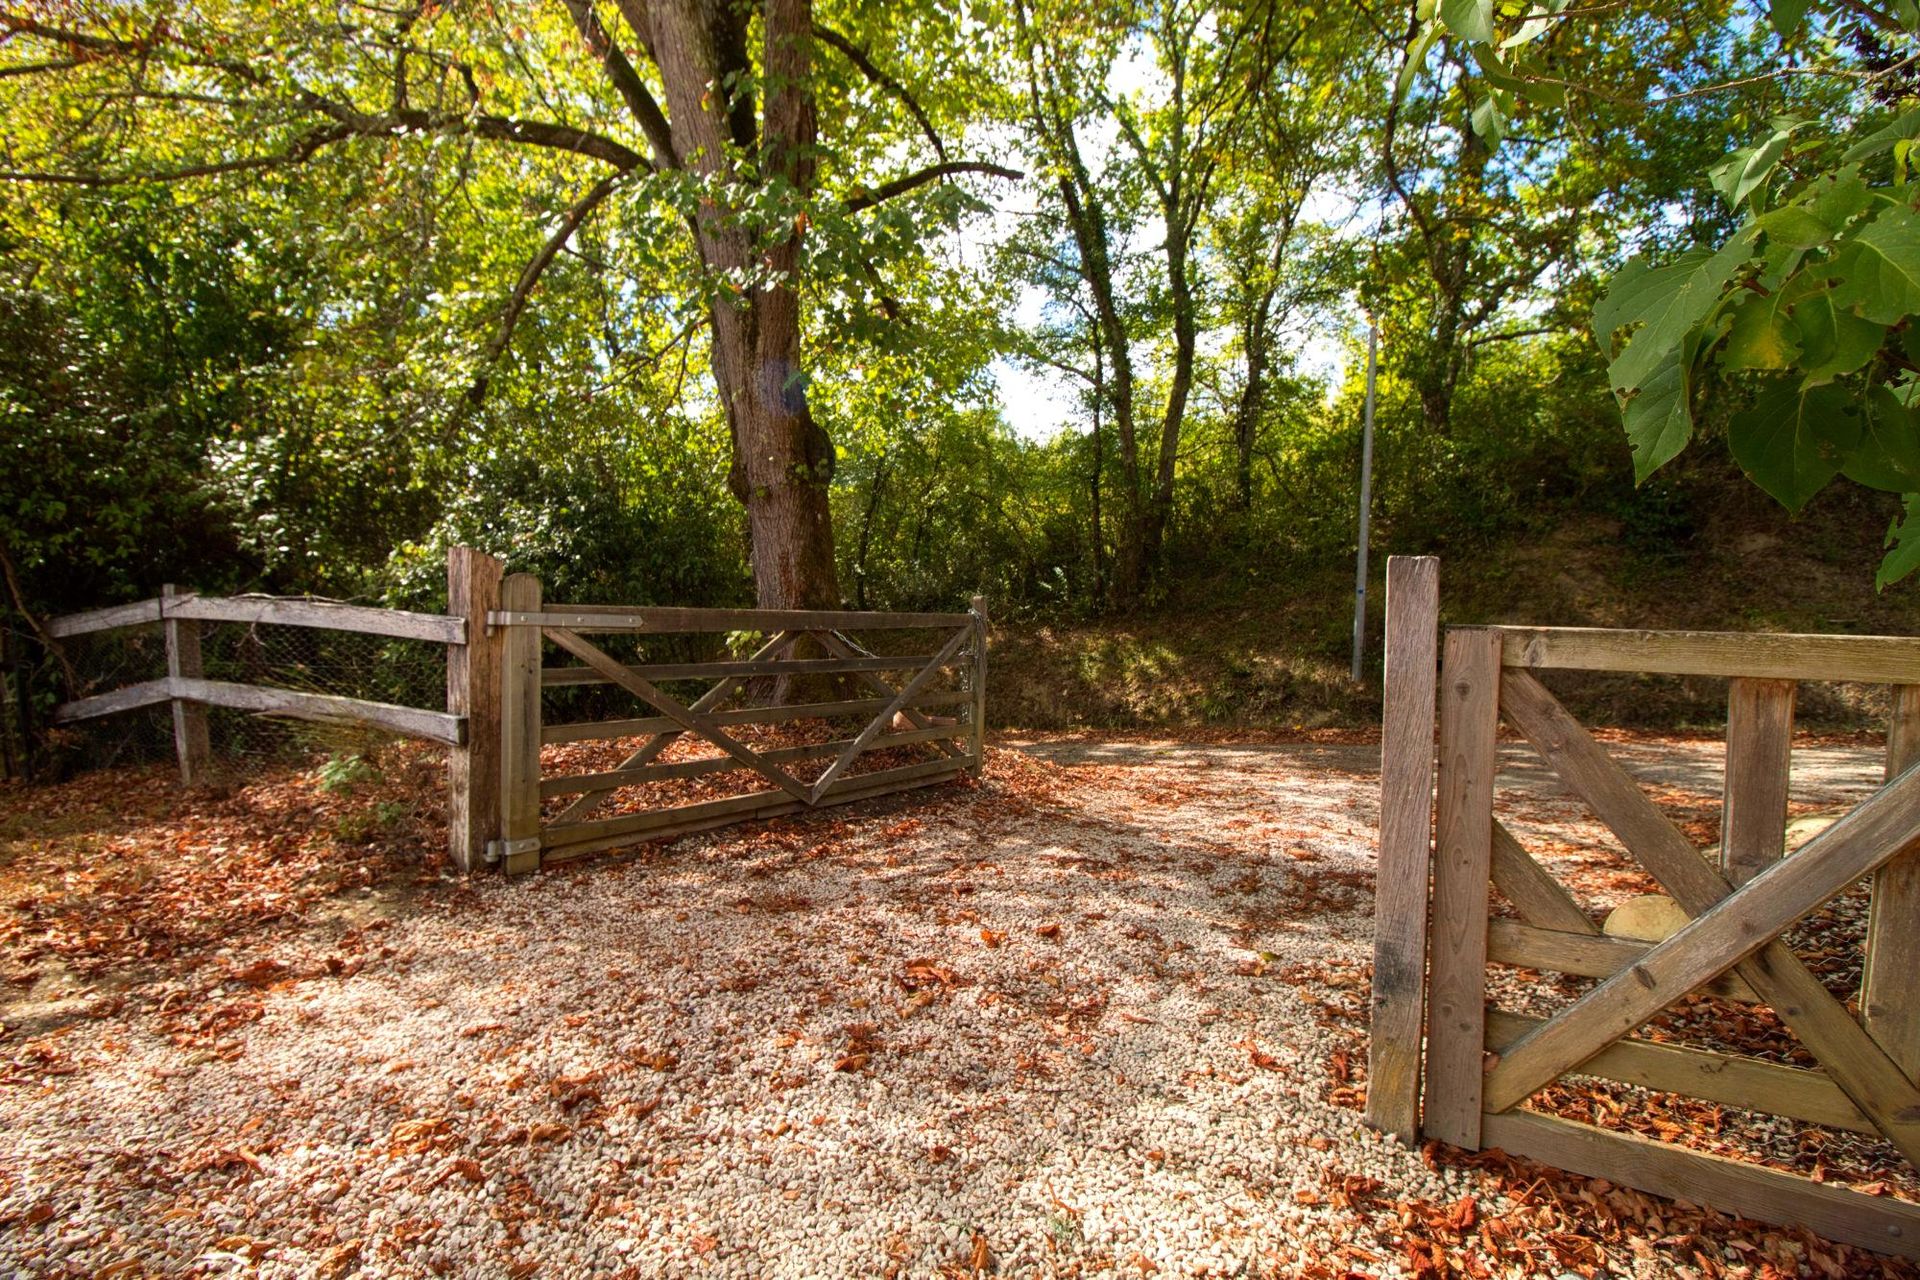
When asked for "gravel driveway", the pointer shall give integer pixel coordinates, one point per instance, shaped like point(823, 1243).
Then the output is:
point(1101, 1015)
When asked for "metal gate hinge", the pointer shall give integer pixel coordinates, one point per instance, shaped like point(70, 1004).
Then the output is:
point(498, 849)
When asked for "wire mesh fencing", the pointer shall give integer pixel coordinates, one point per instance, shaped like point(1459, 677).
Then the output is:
point(312, 660)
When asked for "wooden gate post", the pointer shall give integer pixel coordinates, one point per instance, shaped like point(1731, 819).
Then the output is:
point(519, 844)
point(473, 691)
point(1753, 822)
point(189, 718)
point(1888, 1004)
point(979, 685)
point(1405, 857)
point(1462, 868)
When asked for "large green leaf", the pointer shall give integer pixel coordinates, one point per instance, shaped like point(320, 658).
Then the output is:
point(1469, 19)
point(1878, 271)
point(1833, 340)
point(1748, 169)
point(1666, 302)
point(1888, 455)
point(1904, 128)
point(1796, 226)
point(1903, 539)
point(1659, 415)
point(1785, 15)
point(1764, 335)
point(1792, 440)
point(1416, 60)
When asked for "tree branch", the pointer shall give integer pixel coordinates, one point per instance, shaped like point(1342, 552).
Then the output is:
point(302, 149)
point(530, 277)
point(920, 178)
point(626, 82)
point(858, 57)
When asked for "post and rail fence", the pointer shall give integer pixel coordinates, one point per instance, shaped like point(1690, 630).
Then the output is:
point(1447, 1064)
point(494, 720)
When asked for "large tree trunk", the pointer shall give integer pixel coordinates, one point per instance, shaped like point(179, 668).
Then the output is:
point(782, 460)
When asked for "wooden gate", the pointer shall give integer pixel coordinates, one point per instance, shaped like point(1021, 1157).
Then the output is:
point(951, 675)
point(1481, 1064)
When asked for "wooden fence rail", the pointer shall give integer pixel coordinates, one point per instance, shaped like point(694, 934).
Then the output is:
point(472, 674)
point(1434, 943)
point(494, 631)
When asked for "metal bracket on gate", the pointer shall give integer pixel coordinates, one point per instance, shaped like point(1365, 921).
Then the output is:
point(501, 849)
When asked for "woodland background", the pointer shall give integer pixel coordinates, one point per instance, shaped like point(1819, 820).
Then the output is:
point(238, 355)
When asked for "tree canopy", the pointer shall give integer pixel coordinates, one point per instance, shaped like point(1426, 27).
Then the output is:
point(836, 302)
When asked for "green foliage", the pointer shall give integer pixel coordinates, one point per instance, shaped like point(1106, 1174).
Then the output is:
point(1802, 312)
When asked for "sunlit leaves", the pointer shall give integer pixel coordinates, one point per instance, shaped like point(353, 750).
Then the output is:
point(1792, 440)
point(1903, 542)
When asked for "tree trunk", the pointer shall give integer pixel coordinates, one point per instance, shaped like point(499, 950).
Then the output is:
point(782, 460)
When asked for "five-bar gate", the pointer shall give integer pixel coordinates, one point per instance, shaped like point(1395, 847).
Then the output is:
point(1433, 945)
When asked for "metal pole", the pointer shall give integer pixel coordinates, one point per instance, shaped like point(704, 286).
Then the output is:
point(1366, 502)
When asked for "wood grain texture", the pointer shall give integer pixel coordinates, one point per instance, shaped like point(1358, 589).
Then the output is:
point(661, 824)
point(884, 719)
point(1753, 818)
point(591, 798)
point(1588, 955)
point(473, 691)
point(190, 743)
point(844, 646)
point(1732, 1187)
point(407, 722)
point(126, 698)
point(978, 710)
point(640, 775)
point(740, 669)
point(670, 621)
point(1463, 852)
point(687, 719)
point(1876, 1084)
point(139, 613)
point(1889, 994)
point(1540, 899)
point(520, 735)
point(1868, 659)
point(1734, 1081)
point(325, 614)
point(595, 730)
point(1406, 854)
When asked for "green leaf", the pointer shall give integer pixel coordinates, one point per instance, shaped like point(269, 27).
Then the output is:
point(1839, 197)
point(1785, 15)
point(1490, 120)
point(1659, 415)
point(1905, 127)
point(1469, 19)
point(1416, 60)
point(1666, 302)
point(1747, 170)
point(1879, 269)
point(1903, 537)
point(1888, 455)
point(1764, 335)
point(1796, 226)
point(1792, 440)
point(1833, 340)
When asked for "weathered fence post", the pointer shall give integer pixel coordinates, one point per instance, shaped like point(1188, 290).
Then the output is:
point(1462, 876)
point(1753, 813)
point(519, 845)
point(473, 691)
point(1406, 833)
point(979, 685)
point(1888, 1004)
point(183, 663)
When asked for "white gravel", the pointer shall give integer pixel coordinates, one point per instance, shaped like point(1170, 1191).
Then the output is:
point(1057, 1034)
